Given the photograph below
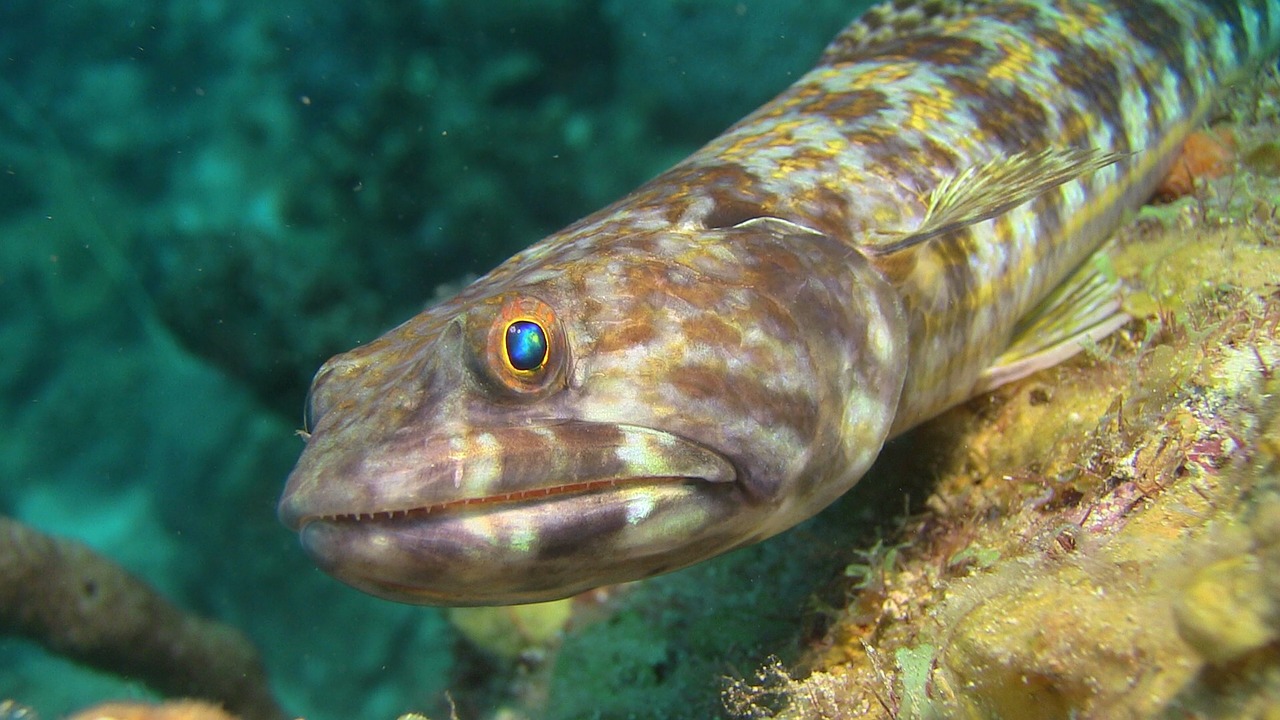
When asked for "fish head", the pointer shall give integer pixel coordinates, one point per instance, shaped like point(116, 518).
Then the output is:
point(587, 417)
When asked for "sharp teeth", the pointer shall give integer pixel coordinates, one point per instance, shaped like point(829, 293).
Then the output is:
point(586, 486)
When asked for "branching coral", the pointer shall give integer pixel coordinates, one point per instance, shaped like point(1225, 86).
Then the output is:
point(81, 605)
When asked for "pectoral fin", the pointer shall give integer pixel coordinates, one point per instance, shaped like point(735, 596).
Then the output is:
point(1085, 308)
point(984, 191)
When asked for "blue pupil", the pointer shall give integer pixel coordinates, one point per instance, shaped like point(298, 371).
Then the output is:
point(526, 345)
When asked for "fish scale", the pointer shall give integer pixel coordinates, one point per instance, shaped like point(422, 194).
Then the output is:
point(723, 352)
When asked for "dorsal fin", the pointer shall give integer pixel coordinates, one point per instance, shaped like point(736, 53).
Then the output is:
point(891, 21)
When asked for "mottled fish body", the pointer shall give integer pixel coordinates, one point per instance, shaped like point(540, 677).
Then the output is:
point(722, 353)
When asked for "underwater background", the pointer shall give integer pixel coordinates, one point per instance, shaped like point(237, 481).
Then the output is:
point(201, 201)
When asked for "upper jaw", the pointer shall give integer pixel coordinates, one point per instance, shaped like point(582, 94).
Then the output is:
point(489, 468)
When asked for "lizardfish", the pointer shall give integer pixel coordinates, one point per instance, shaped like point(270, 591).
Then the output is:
point(720, 354)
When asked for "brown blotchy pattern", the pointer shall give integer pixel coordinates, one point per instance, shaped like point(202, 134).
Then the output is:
point(734, 349)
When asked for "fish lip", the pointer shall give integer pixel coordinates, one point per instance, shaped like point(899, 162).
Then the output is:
point(293, 513)
point(462, 559)
point(501, 501)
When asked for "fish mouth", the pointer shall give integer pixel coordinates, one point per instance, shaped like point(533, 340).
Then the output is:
point(543, 494)
point(539, 464)
point(588, 505)
point(515, 552)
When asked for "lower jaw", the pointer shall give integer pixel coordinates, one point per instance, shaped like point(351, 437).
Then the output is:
point(523, 552)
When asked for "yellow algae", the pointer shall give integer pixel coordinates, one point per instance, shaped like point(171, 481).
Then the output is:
point(1264, 159)
point(506, 632)
point(1226, 611)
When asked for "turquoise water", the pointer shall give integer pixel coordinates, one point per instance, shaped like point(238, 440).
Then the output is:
point(201, 201)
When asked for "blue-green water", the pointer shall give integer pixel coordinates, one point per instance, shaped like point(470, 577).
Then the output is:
point(201, 201)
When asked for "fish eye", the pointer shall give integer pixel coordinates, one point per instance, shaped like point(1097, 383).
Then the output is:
point(526, 345)
point(524, 349)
